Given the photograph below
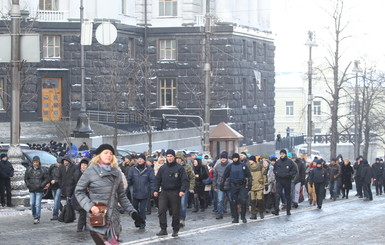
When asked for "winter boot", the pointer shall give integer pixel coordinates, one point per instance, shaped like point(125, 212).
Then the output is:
point(262, 215)
point(196, 205)
point(253, 216)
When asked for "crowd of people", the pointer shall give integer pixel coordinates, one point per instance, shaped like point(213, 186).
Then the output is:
point(173, 182)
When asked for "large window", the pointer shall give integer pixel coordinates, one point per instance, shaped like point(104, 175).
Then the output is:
point(49, 5)
point(51, 46)
point(2, 93)
point(167, 92)
point(289, 108)
point(317, 108)
point(167, 49)
point(168, 8)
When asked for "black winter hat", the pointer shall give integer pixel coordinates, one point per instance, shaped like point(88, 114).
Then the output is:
point(3, 155)
point(104, 147)
point(36, 158)
point(224, 155)
point(170, 151)
point(283, 151)
point(142, 156)
point(235, 155)
point(253, 158)
point(85, 160)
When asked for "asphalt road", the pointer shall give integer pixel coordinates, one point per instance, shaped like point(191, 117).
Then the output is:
point(347, 221)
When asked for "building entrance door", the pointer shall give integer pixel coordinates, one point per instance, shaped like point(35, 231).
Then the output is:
point(51, 99)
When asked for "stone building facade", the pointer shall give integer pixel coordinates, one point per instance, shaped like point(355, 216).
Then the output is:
point(159, 67)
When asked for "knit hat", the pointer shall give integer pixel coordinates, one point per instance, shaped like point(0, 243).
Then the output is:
point(243, 153)
point(36, 158)
point(252, 158)
point(224, 155)
point(170, 151)
point(3, 155)
point(179, 155)
point(85, 160)
point(283, 151)
point(103, 147)
point(319, 162)
point(289, 154)
point(273, 159)
point(235, 155)
point(59, 159)
point(150, 159)
point(142, 156)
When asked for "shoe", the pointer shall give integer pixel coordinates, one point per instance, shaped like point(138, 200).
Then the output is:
point(142, 227)
point(253, 216)
point(195, 211)
point(244, 220)
point(162, 233)
point(310, 202)
point(343, 196)
point(357, 195)
point(36, 221)
point(215, 210)
point(366, 199)
point(10, 205)
point(275, 213)
point(295, 205)
point(288, 212)
point(235, 221)
point(319, 207)
point(3, 204)
point(262, 215)
point(360, 197)
point(79, 230)
point(202, 209)
point(174, 234)
point(181, 223)
point(334, 199)
point(219, 217)
point(148, 213)
point(54, 218)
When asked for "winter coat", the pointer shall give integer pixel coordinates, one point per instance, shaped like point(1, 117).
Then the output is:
point(231, 170)
point(143, 181)
point(378, 171)
point(300, 176)
point(6, 169)
point(259, 178)
point(53, 172)
point(318, 175)
point(67, 179)
point(366, 174)
point(96, 185)
point(270, 180)
point(358, 170)
point(36, 178)
point(190, 174)
point(203, 173)
point(171, 176)
point(125, 168)
point(334, 172)
point(219, 170)
point(285, 169)
point(346, 176)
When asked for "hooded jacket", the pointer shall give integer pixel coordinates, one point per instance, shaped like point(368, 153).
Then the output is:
point(6, 169)
point(142, 178)
point(36, 178)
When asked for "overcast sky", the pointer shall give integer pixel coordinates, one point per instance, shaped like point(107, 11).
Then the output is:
point(291, 20)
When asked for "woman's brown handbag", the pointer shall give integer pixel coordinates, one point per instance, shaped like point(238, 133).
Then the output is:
point(99, 219)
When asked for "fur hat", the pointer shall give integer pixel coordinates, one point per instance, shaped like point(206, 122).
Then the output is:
point(103, 147)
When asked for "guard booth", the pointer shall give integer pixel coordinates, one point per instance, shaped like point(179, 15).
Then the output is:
point(224, 138)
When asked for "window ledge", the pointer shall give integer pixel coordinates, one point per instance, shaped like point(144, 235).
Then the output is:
point(51, 59)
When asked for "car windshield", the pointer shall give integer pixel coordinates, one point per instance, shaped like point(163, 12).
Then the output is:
point(45, 157)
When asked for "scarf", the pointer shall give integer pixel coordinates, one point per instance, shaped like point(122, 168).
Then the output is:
point(105, 166)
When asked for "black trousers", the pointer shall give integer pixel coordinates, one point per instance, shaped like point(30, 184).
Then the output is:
point(286, 186)
point(82, 219)
point(368, 191)
point(378, 184)
point(238, 197)
point(169, 199)
point(5, 185)
point(319, 192)
point(359, 186)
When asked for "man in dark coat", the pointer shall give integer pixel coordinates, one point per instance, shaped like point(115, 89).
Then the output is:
point(53, 172)
point(334, 177)
point(173, 181)
point(6, 172)
point(358, 170)
point(284, 170)
point(318, 177)
point(378, 172)
point(299, 180)
point(67, 180)
point(366, 178)
point(36, 177)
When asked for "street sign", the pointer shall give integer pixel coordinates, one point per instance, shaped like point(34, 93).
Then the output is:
point(29, 47)
point(308, 140)
point(106, 33)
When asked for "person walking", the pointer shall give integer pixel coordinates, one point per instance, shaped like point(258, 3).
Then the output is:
point(82, 220)
point(6, 172)
point(35, 178)
point(102, 183)
point(378, 173)
point(201, 172)
point(335, 176)
point(142, 178)
point(173, 181)
point(269, 192)
point(67, 178)
point(298, 181)
point(240, 184)
point(346, 178)
point(318, 178)
point(310, 188)
point(366, 179)
point(358, 175)
point(54, 177)
point(219, 170)
point(259, 184)
point(284, 170)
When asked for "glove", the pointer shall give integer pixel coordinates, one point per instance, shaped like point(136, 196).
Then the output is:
point(138, 220)
point(266, 187)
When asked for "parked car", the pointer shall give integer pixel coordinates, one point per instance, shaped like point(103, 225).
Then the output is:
point(6, 146)
point(46, 160)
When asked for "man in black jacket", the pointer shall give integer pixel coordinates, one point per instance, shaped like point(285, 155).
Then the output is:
point(6, 172)
point(173, 181)
point(67, 178)
point(284, 170)
point(378, 173)
point(358, 169)
point(36, 177)
point(53, 172)
point(318, 177)
point(366, 178)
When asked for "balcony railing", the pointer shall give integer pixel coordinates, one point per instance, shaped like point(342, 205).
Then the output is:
point(49, 15)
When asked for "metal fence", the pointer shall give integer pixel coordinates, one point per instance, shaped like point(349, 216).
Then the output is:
point(289, 142)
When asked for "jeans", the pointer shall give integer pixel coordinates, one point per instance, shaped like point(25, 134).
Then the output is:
point(183, 205)
point(333, 189)
point(56, 202)
point(35, 202)
point(140, 205)
point(221, 200)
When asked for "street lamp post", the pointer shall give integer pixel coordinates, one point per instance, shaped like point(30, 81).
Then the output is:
point(310, 43)
point(356, 70)
point(207, 71)
point(83, 128)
